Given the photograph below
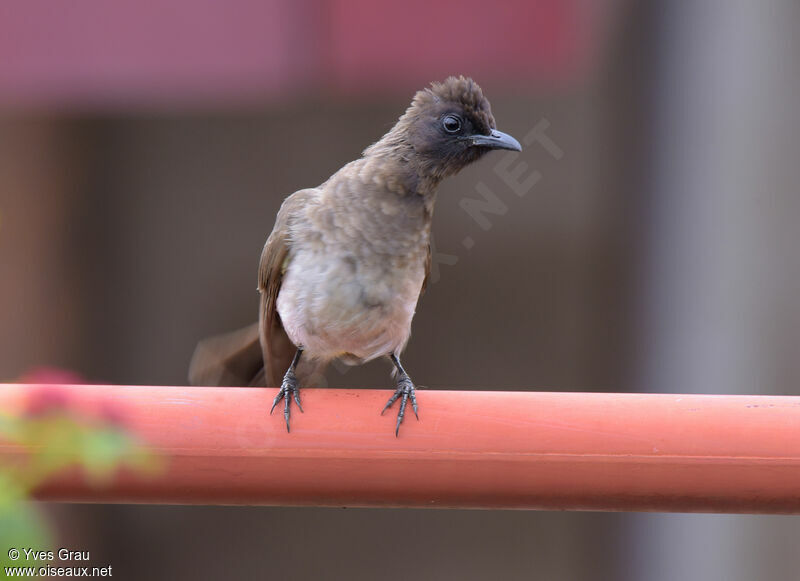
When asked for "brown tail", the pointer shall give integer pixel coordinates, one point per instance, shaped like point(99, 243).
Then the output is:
point(233, 359)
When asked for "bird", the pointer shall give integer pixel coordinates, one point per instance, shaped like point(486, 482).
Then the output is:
point(346, 262)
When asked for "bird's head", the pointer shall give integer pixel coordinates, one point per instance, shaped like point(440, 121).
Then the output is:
point(448, 126)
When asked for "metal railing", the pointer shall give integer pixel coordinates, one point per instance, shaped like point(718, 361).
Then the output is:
point(470, 449)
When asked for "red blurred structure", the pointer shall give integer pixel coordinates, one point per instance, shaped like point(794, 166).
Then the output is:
point(144, 53)
point(573, 451)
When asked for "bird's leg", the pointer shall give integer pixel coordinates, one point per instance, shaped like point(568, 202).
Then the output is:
point(288, 389)
point(405, 389)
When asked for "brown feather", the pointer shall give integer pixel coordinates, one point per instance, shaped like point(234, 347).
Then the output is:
point(238, 358)
point(277, 349)
point(370, 219)
point(232, 359)
point(427, 271)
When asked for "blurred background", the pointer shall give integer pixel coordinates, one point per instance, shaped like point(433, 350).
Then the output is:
point(646, 239)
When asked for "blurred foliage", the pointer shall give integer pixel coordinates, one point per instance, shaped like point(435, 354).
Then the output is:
point(56, 436)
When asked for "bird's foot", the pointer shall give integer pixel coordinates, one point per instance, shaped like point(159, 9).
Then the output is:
point(288, 390)
point(405, 389)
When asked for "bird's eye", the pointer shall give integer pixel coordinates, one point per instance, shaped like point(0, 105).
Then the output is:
point(451, 124)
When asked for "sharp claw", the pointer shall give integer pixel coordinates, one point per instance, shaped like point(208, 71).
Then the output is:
point(399, 419)
point(276, 400)
point(401, 413)
point(390, 402)
point(287, 392)
point(405, 389)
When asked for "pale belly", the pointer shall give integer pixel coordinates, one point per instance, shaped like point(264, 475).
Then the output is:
point(341, 308)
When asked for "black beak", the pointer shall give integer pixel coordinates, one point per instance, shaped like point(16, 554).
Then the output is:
point(497, 140)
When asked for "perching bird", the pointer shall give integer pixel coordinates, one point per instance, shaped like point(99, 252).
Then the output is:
point(346, 262)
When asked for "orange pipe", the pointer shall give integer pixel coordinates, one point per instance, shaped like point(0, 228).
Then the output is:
point(573, 451)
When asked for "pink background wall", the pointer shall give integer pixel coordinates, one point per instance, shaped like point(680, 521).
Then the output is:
point(146, 52)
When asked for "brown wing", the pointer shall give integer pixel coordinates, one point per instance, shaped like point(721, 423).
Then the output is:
point(427, 271)
point(260, 354)
point(276, 347)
